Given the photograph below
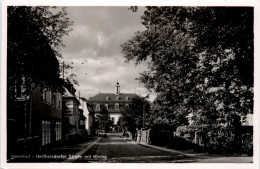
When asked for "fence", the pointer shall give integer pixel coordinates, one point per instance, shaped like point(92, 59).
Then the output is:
point(218, 141)
point(155, 137)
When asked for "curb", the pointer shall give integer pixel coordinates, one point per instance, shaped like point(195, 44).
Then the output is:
point(80, 153)
point(201, 157)
point(168, 150)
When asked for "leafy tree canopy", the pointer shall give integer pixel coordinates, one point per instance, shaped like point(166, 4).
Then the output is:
point(200, 61)
point(133, 117)
point(103, 120)
point(34, 40)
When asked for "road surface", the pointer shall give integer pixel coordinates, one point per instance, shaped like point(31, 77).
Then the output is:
point(115, 149)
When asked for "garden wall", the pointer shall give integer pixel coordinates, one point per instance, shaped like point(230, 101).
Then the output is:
point(219, 141)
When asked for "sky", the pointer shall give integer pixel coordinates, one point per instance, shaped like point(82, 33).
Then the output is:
point(93, 49)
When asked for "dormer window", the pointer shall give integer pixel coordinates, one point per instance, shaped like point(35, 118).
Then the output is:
point(107, 98)
point(126, 98)
point(98, 107)
point(106, 106)
point(117, 97)
point(126, 106)
point(116, 106)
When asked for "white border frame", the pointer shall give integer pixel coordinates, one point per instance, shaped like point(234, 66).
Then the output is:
point(253, 3)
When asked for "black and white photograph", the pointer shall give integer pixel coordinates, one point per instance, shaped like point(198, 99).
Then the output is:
point(129, 84)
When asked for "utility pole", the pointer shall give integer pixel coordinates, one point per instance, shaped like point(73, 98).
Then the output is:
point(63, 66)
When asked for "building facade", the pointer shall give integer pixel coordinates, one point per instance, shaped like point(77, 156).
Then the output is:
point(90, 125)
point(46, 115)
point(74, 109)
point(71, 107)
point(88, 113)
point(35, 121)
point(115, 103)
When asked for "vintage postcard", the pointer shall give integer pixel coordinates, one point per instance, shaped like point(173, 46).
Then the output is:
point(130, 84)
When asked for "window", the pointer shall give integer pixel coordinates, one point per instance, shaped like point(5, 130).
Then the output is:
point(44, 95)
point(58, 100)
point(47, 96)
point(116, 106)
point(19, 88)
point(117, 97)
point(98, 107)
point(43, 133)
point(58, 130)
point(107, 98)
point(106, 105)
point(46, 132)
point(113, 119)
point(127, 106)
point(53, 98)
point(126, 98)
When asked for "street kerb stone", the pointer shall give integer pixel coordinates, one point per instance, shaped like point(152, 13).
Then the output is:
point(168, 150)
point(80, 153)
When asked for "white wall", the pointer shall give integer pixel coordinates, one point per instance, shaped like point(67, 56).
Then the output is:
point(84, 107)
point(116, 116)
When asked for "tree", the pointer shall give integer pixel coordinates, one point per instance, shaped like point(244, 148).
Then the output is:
point(133, 117)
point(198, 59)
point(103, 120)
point(171, 59)
point(225, 61)
point(34, 39)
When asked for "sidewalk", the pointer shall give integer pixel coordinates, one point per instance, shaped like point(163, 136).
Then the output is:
point(79, 154)
point(65, 152)
point(168, 150)
point(203, 157)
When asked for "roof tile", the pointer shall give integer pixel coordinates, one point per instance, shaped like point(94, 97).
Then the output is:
point(112, 97)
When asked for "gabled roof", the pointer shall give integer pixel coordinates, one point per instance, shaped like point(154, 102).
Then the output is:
point(67, 94)
point(112, 97)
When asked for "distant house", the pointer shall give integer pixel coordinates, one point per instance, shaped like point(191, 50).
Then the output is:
point(88, 112)
point(91, 120)
point(82, 119)
point(72, 104)
point(114, 102)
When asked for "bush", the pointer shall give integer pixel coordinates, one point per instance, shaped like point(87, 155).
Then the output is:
point(186, 132)
point(183, 144)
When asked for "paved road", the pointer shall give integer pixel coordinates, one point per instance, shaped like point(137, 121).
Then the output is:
point(116, 149)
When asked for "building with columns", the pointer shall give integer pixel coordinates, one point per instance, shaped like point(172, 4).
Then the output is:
point(116, 102)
